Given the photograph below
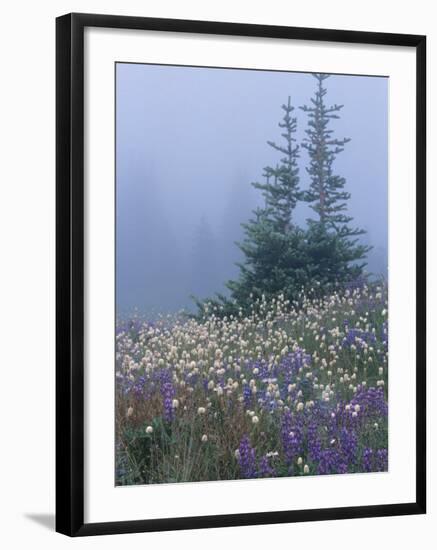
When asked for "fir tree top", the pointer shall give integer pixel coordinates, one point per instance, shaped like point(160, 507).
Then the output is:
point(326, 194)
point(281, 188)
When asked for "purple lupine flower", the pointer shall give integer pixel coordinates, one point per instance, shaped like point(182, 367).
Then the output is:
point(168, 393)
point(367, 459)
point(349, 444)
point(290, 364)
point(331, 461)
point(372, 403)
point(314, 443)
point(375, 461)
point(247, 395)
point(357, 336)
point(291, 436)
point(381, 460)
point(265, 469)
point(246, 459)
point(263, 370)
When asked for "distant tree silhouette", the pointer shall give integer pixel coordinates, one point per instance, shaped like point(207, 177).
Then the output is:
point(205, 277)
point(147, 252)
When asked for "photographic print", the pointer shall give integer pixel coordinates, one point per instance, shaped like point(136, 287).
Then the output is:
point(251, 336)
point(240, 274)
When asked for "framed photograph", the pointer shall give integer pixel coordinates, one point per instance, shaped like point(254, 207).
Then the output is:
point(240, 274)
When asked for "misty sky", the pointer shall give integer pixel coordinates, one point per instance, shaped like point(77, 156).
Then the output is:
point(188, 143)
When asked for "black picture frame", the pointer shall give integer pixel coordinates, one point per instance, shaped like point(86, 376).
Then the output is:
point(70, 273)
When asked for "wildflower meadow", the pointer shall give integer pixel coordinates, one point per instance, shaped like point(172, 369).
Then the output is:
point(260, 344)
point(291, 389)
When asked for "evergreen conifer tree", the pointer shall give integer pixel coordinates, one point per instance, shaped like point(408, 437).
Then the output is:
point(335, 254)
point(281, 187)
point(274, 257)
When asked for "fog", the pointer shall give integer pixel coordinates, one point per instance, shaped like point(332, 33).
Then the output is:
point(189, 141)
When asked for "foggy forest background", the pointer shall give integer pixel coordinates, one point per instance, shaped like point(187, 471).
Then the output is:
point(189, 143)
